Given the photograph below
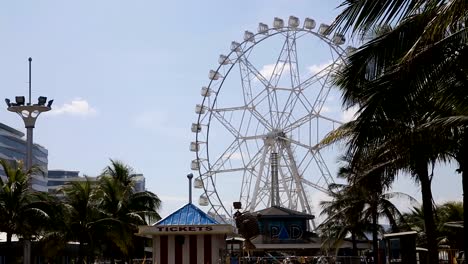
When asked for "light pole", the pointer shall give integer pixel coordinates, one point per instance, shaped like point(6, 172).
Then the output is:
point(29, 113)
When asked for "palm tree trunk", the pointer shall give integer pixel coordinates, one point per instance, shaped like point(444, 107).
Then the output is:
point(9, 249)
point(375, 242)
point(425, 181)
point(353, 240)
point(462, 159)
point(464, 171)
point(81, 253)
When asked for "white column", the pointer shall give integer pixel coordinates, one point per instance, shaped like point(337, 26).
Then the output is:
point(156, 252)
point(200, 247)
point(186, 250)
point(171, 250)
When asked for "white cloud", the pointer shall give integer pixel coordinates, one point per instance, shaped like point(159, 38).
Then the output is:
point(319, 68)
point(349, 114)
point(77, 106)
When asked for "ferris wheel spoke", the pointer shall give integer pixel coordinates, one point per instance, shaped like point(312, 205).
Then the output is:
point(250, 69)
point(295, 81)
point(226, 124)
point(318, 76)
point(326, 175)
point(260, 174)
point(308, 118)
point(247, 69)
point(281, 65)
point(292, 204)
point(223, 158)
point(297, 178)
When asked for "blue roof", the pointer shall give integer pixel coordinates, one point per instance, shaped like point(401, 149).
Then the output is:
point(189, 214)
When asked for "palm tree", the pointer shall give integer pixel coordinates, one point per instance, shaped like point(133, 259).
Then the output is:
point(344, 217)
point(445, 213)
point(421, 63)
point(23, 212)
point(83, 217)
point(126, 207)
point(365, 197)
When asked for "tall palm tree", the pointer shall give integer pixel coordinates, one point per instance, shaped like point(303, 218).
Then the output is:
point(426, 62)
point(344, 218)
point(23, 211)
point(83, 217)
point(127, 208)
point(445, 213)
point(365, 197)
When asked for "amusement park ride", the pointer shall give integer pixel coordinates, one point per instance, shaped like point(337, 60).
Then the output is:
point(262, 116)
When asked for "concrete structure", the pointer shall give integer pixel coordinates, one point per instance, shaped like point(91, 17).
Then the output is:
point(13, 147)
point(187, 236)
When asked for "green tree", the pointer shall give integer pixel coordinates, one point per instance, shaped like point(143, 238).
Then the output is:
point(357, 207)
point(83, 219)
point(127, 207)
point(23, 212)
point(445, 213)
point(422, 63)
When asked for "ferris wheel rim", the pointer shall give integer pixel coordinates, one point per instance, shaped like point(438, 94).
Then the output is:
point(270, 33)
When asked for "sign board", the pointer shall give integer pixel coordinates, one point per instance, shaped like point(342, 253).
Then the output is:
point(185, 230)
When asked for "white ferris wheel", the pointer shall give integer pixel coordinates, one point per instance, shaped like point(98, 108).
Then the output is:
point(262, 116)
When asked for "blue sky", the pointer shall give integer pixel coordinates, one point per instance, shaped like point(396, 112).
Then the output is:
point(126, 75)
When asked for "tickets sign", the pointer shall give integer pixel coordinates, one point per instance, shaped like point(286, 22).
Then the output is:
point(189, 229)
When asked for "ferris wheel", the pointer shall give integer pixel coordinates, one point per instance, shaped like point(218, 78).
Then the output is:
point(262, 116)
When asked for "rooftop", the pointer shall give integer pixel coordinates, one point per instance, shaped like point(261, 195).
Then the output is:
point(189, 214)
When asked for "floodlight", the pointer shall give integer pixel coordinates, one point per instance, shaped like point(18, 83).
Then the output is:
point(19, 100)
point(49, 104)
point(309, 23)
point(324, 29)
point(223, 60)
point(338, 39)
point(249, 36)
point(293, 22)
point(7, 101)
point(41, 100)
point(262, 28)
point(278, 23)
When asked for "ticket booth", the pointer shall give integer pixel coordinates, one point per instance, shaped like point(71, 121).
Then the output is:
point(187, 236)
